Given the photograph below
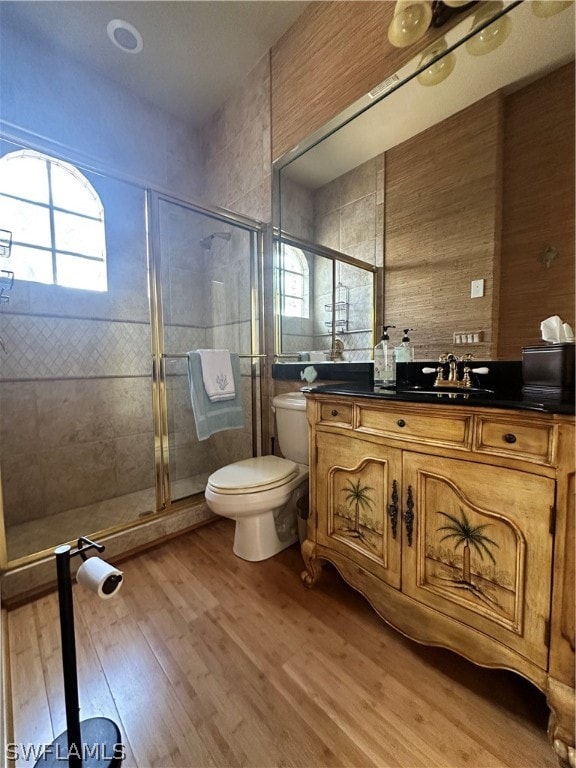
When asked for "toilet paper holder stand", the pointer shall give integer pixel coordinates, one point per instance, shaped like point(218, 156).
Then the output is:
point(97, 738)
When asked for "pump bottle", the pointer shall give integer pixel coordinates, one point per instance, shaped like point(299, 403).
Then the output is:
point(404, 352)
point(384, 372)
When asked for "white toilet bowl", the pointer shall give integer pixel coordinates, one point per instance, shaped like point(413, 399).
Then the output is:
point(260, 494)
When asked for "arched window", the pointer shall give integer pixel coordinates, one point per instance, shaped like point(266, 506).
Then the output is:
point(294, 282)
point(56, 219)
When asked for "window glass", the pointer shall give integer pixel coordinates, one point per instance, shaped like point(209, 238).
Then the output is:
point(56, 219)
point(28, 222)
point(294, 282)
point(35, 265)
point(66, 187)
point(78, 234)
point(73, 275)
point(24, 177)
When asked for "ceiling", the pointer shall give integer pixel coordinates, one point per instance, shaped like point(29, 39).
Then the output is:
point(195, 52)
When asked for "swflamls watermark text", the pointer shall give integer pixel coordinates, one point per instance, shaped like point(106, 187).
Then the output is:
point(36, 752)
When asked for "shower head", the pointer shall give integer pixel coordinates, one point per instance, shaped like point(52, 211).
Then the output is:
point(206, 242)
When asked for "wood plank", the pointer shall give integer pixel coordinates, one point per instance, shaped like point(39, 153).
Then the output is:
point(207, 660)
point(30, 707)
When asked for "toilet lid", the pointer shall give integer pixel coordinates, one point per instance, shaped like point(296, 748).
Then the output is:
point(250, 475)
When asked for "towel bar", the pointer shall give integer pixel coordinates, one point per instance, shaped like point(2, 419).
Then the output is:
point(185, 355)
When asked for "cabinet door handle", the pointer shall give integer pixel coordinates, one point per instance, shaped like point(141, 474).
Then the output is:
point(401, 423)
point(510, 438)
point(393, 508)
point(334, 412)
point(409, 515)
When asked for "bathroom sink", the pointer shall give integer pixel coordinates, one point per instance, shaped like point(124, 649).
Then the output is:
point(418, 390)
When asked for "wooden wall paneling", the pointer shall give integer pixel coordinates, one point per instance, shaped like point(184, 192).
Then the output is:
point(538, 209)
point(442, 196)
point(334, 53)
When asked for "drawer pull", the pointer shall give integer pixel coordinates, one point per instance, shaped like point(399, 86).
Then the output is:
point(401, 423)
point(510, 438)
point(334, 412)
point(393, 508)
point(409, 515)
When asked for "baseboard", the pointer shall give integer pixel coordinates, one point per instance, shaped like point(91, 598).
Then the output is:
point(30, 581)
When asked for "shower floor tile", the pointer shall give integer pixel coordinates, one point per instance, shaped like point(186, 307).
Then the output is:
point(49, 532)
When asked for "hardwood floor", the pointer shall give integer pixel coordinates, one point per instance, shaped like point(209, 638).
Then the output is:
point(206, 660)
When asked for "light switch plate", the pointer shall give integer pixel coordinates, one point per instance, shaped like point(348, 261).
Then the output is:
point(476, 289)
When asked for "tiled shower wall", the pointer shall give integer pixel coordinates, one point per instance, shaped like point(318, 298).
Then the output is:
point(346, 215)
point(349, 217)
point(75, 387)
point(75, 391)
point(206, 303)
point(75, 381)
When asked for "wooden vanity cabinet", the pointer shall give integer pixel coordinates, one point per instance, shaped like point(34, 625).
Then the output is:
point(457, 524)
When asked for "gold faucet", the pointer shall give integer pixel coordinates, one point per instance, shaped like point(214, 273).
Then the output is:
point(452, 380)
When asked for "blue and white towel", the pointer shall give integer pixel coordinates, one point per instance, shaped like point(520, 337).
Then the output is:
point(212, 417)
point(217, 374)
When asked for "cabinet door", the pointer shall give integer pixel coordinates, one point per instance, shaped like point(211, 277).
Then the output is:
point(481, 549)
point(357, 495)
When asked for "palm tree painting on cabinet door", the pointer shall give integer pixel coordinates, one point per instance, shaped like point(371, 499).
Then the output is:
point(355, 516)
point(463, 557)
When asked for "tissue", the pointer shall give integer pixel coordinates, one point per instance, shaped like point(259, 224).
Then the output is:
point(554, 331)
point(100, 577)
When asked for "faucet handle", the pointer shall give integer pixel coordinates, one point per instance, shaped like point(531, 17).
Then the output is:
point(428, 370)
point(482, 370)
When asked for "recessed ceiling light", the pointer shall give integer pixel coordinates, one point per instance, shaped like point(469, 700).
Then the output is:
point(125, 36)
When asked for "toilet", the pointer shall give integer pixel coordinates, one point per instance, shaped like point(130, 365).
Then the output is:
point(260, 494)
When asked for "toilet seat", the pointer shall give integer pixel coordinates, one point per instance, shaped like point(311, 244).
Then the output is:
point(261, 473)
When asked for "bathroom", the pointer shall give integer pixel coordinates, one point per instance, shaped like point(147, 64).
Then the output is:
point(217, 163)
point(51, 367)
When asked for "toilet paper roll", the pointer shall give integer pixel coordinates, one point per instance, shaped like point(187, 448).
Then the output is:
point(99, 576)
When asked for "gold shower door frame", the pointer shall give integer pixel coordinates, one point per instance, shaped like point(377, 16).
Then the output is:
point(164, 502)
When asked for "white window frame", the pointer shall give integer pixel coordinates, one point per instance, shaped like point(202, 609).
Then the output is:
point(96, 214)
point(298, 259)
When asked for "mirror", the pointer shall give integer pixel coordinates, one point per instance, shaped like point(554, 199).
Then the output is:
point(459, 192)
point(324, 304)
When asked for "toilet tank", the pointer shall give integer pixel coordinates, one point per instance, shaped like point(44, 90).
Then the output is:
point(292, 426)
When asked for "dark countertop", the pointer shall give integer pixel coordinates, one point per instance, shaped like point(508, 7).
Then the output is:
point(513, 399)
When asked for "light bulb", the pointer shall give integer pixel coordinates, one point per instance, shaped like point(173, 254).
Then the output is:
point(546, 8)
point(492, 36)
point(439, 70)
point(411, 20)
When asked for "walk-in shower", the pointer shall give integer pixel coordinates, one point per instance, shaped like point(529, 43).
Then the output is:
point(96, 427)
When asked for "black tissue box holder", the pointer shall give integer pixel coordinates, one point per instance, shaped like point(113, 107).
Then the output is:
point(548, 370)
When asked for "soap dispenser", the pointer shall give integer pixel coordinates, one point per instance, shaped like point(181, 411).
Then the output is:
point(404, 352)
point(384, 371)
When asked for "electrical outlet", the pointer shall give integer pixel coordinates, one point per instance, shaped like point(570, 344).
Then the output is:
point(476, 289)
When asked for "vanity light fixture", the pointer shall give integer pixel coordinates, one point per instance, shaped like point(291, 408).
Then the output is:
point(411, 20)
point(546, 8)
point(491, 36)
point(125, 36)
point(438, 70)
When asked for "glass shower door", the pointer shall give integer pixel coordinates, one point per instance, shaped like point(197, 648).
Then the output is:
point(205, 275)
point(77, 451)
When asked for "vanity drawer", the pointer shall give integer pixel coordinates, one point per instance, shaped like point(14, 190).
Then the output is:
point(507, 437)
point(336, 413)
point(451, 431)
